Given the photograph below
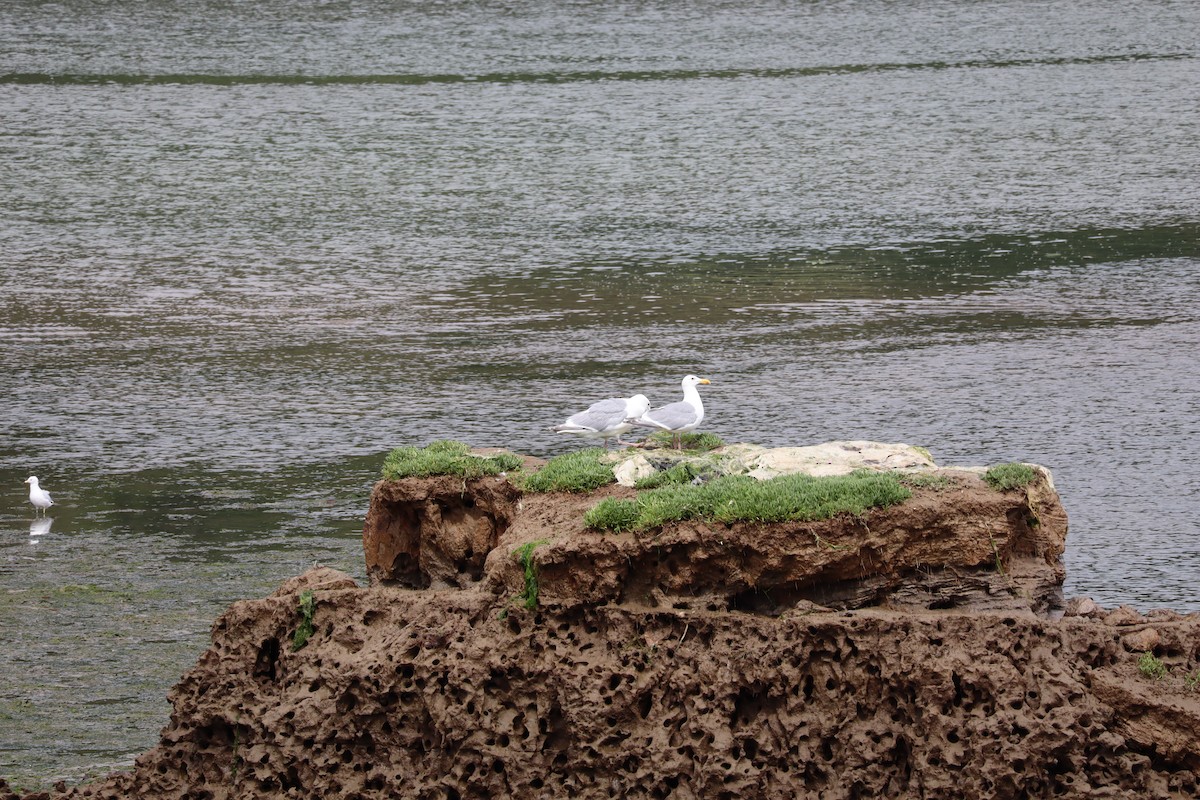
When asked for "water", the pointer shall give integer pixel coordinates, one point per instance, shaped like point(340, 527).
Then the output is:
point(245, 250)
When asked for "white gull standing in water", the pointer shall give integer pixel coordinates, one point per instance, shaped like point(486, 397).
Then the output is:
point(679, 417)
point(605, 419)
point(38, 496)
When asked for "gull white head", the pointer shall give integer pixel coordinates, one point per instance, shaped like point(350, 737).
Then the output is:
point(32, 481)
point(690, 381)
point(637, 405)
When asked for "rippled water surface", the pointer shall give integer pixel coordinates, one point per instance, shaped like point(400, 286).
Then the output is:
point(245, 249)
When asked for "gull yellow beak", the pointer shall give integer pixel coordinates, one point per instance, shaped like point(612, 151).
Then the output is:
point(705, 380)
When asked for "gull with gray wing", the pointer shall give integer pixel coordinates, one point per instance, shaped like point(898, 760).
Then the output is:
point(679, 417)
point(38, 496)
point(605, 419)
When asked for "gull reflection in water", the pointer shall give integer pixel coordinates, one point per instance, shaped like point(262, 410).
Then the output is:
point(39, 527)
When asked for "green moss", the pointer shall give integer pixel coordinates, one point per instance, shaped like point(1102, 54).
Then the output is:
point(1009, 476)
point(690, 441)
point(445, 457)
point(304, 630)
point(925, 480)
point(612, 515)
point(578, 471)
point(524, 554)
point(740, 498)
point(1152, 667)
point(683, 472)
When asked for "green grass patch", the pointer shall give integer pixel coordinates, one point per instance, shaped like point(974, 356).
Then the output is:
point(690, 441)
point(578, 471)
point(738, 498)
point(1009, 476)
point(683, 472)
point(1151, 666)
point(524, 554)
point(925, 480)
point(445, 457)
point(308, 607)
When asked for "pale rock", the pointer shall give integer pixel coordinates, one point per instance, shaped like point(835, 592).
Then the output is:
point(1142, 641)
point(1081, 607)
point(839, 458)
point(632, 470)
point(1124, 615)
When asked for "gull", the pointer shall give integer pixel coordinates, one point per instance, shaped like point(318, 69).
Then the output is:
point(605, 419)
point(685, 415)
point(38, 496)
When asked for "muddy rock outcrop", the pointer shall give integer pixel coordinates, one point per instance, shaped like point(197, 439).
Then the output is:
point(917, 651)
point(956, 544)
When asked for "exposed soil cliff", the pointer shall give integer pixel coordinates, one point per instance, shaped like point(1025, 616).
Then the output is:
point(697, 662)
point(956, 544)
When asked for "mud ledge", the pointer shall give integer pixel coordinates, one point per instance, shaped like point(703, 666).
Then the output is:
point(959, 545)
point(917, 651)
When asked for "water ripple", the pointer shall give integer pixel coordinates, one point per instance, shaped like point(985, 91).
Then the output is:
point(124, 79)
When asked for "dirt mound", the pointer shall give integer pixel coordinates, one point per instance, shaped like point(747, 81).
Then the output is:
point(956, 544)
point(436, 694)
point(913, 651)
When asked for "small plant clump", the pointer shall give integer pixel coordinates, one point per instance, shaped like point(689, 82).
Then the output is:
point(1192, 681)
point(681, 473)
point(925, 480)
point(738, 498)
point(579, 471)
point(524, 554)
point(1151, 666)
point(445, 457)
point(1003, 477)
point(688, 441)
point(304, 630)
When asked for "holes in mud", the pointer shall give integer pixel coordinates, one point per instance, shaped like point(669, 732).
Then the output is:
point(346, 703)
point(267, 659)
